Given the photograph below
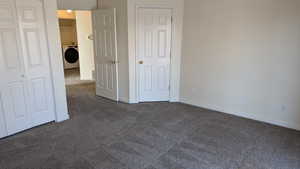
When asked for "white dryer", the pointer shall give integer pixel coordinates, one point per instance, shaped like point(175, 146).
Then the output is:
point(70, 56)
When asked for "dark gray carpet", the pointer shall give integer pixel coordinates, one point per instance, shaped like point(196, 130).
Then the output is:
point(104, 135)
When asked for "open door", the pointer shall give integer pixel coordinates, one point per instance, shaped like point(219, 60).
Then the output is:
point(105, 46)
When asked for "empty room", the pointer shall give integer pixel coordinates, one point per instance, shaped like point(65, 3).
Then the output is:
point(142, 84)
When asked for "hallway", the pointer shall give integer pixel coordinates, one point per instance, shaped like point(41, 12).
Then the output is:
point(106, 135)
point(72, 77)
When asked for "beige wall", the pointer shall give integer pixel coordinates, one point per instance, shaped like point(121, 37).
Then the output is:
point(64, 14)
point(85, 45)
point(122, 38)
point(77, 4)
point(68, 32)
point(243, 57)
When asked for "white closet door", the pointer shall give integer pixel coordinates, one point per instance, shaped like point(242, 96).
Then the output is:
point(14, 90)
point(154, 54)
point(36, 60)
point(25, 86)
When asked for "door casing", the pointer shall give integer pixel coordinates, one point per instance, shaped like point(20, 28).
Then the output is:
point(56, 63)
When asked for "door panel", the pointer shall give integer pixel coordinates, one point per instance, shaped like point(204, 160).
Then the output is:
point(104, 26)
point(7, 15)
point(154, 54)
point(32, 41)
point(18, 100)
point(36, 59)
point(16, 107)
point(39, 95)
point(11, 57)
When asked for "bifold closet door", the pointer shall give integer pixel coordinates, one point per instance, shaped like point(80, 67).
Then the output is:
point(37, 62)
point(14, 90)
point(26, 87)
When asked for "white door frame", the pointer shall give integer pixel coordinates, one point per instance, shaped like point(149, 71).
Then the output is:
point(177, 14)
point(56, 63)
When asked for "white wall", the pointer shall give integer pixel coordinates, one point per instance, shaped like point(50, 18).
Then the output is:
point(122, 42)
point(64, 14)
point(85, 45)
point(243, 57)
point(77, 4)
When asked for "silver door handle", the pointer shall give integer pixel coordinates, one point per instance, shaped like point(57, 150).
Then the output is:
point(23, 76)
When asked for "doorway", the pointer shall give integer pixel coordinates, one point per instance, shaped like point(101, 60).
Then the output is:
point(77, 49)
point(77, 46)
point(93, 69)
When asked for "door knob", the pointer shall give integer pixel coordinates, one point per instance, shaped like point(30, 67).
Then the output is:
point(91, 37)
point(23, 76)
point(141, 62)
point(114, 62)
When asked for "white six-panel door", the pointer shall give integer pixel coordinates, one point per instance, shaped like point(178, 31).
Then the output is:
point(154, 53)
point(14, 89)
point(37, 61)
point(105, 46)
point(26, 97)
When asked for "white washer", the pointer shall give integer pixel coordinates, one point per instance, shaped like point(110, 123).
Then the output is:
point(70, 56)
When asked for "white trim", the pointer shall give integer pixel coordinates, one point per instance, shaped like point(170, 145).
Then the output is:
point(255, 117)
point(177, 9)
point(56, 63)
point(76, 5)
point(123, 99)
point(99, 4)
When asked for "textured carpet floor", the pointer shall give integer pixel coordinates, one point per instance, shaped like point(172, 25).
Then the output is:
point(105, 135)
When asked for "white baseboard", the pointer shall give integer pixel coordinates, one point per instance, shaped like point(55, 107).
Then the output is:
point(63, 118)
point(290, 125)
point(124, 99)
point(174, 100)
